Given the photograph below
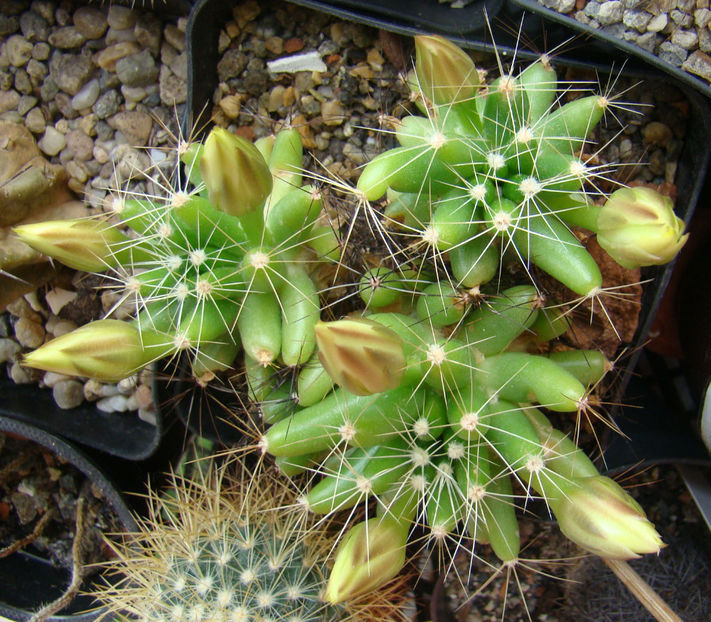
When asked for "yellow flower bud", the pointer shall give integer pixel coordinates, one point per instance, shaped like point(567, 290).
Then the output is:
point(238, 179)
point(599, 516)
point(637, 227)
point(370, 554)
point(360, 355)
point(83, 243)
point(445, 72)
point(107, 350)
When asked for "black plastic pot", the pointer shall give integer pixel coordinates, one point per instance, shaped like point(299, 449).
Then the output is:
point(118, 434)
point(27, 581)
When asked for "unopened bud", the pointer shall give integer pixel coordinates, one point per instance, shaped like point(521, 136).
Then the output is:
point(445, 72)
point(599, 516)
point(83, 244)
point(637, 227)
point(360, 355)
point(238, 179)
point(370, 554)
point(106, 350)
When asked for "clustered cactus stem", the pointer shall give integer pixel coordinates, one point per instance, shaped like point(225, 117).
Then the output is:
point(425, 408)
point(219, 267)
point(429, 402)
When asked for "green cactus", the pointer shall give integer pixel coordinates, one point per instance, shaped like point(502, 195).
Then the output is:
point(219, 265)
point(501, 170)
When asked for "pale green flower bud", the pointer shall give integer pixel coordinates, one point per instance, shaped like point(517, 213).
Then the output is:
point(83, 243)
point(599, 516)
point(637, 227)
point(360, 355)
point(445, 72)
point(238, 179)
point(107, 350)
point(370, 554)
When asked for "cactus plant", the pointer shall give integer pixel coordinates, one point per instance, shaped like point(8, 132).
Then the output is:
point(436, 415)
point(219, 264)
point(502, 170)
point(222, 545)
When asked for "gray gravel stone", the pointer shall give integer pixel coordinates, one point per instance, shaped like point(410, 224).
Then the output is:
point(137, 69)
point(681, 18)
point(173, 90)
point(592, 9)
point(90, 22)
point(9, 100)
point(8, 24)
point(231, 64)
point(29, 334)
point(34, 27)
point(9, 349)
point(699, 63)
point(121, 17)
point(37, 71)
point(123, 35)
point(107, 104)
point(175, 37)
point(610, 12)
point(26, 103)
point(35, 121)
point(79, 144)
point(70, 71)
point(702, 17)
point(41, 50)
point(20, 374)
point(658, 23)
point(18, 50)
point(672, 53)
point(704, 39)
point(148, 32)
point(52, 142)
point(688, 39)
point(68, 394)
point(66, 38)
point(87, 95)
point(636, 19)
point(23, 82)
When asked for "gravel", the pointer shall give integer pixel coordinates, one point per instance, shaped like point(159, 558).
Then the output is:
point(677, 31)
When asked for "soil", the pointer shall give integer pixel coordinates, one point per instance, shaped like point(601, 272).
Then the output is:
point(39, 498)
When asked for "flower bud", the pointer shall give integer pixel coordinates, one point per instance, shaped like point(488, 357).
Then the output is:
point(360, 355)
point(82, 243)
point(238, 179)
point(369, 555)
point(107, 350)
point(637, 227)
point(445, 72)
point(599, 516)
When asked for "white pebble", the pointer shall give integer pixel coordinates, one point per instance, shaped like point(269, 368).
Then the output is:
point(57, 297)
point(87, 95)
point(149, 416)
point(51, 378)
point(52, 142)
point(113, 404)
point(126, 386)
point(310, 61)
point(19, 374)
